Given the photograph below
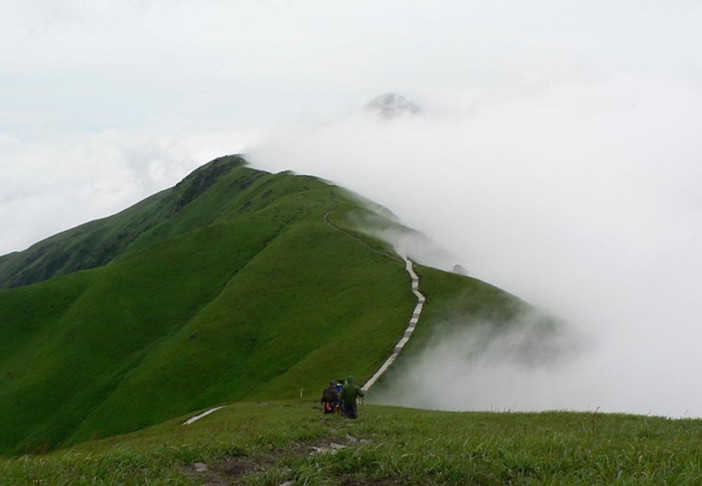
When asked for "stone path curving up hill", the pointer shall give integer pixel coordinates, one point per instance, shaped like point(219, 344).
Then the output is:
point(405, 337)
point(408, 332)
point(415, 315)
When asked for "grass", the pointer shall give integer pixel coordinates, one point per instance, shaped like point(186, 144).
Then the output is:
point(238, 286)
point(268, 443)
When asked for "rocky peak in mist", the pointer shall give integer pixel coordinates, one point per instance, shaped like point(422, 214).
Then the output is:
point(391, 105)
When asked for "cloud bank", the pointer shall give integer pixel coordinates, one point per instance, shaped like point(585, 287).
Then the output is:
point(581, 198)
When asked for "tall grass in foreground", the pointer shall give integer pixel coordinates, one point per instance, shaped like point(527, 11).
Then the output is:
point(271, 443)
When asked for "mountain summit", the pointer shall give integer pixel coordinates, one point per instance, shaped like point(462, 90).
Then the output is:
point(391, 105)
point(235, 284)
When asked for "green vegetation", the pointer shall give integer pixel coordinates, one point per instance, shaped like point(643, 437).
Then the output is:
point(245, 288)
point(269, 443)
point(236, 283)
point(98, 242)
point(459, 300)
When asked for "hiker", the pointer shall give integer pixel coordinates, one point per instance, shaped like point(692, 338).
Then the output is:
point(339, 385)
point(330, 399)
point(349, 394)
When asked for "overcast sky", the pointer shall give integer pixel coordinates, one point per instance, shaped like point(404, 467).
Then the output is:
point(557, 154)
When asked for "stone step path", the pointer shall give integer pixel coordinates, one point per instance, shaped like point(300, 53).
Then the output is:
point(202, 415)
point(401, 343)
point(408, 332)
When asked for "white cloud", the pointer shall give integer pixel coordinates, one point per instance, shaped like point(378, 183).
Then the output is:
point(580, 198)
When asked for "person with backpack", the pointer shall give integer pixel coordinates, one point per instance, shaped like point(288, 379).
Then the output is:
point(339, 385)
point(330, 399)
point(348, 397)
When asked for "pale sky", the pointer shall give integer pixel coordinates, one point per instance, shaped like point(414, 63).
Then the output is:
point(557, 155)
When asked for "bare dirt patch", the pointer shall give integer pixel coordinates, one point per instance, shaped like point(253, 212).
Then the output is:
point(233, 470)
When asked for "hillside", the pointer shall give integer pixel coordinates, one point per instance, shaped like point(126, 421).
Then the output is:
point(235, 284)
point(160, 217)
point(287, 442)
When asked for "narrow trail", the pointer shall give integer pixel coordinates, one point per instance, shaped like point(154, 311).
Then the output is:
point(355, 237)
point(202, 415)
point(408, 331)
point(415, 290)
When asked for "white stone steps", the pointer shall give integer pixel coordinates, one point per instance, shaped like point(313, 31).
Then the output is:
point(408, 332)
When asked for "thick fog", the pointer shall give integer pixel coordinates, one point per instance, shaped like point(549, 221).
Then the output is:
point(556, 154)
point(582, 199)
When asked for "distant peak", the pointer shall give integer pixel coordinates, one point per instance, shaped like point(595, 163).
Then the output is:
point(391, 105)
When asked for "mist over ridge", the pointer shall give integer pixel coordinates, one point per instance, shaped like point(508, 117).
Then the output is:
point(578, 199)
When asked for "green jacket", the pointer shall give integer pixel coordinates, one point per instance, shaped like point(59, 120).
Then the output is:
point(350, 392)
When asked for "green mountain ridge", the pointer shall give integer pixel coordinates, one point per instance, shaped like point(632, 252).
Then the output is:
point(93, 244)
point(235, 284)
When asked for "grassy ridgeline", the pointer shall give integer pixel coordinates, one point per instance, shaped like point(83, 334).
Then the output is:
point(235, 286)
point(238, 285)
point(269, 443)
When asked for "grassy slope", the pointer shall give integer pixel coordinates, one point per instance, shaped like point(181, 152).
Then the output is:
point(246, 292)
point(264, 299)
point(269, 443)
point(269, 339)
point(156, 219)
point(236, 286)
point(86, 246)
point(453, 300)
point(126, 307)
